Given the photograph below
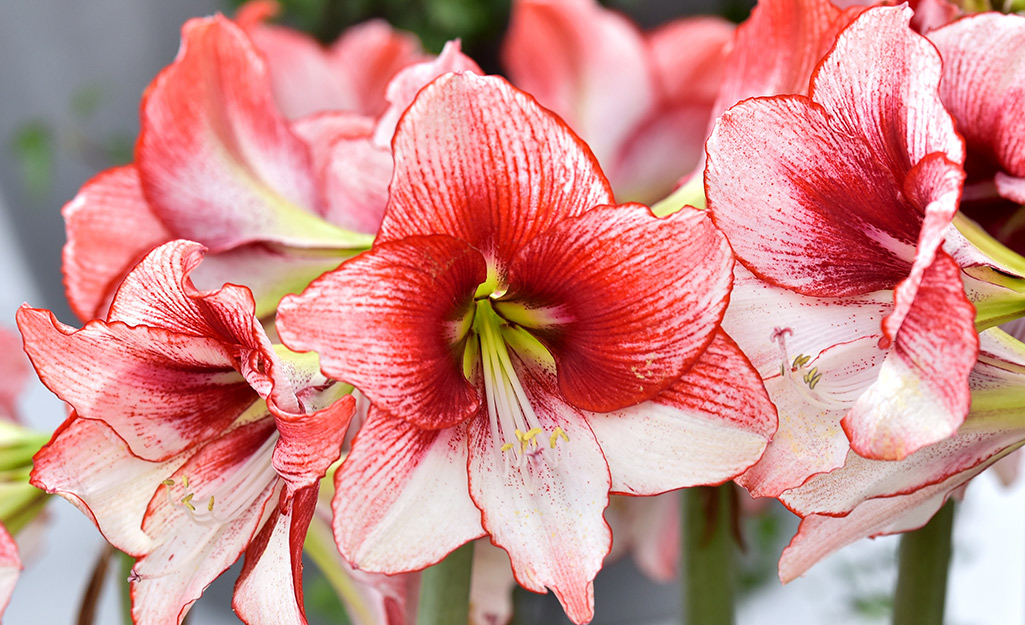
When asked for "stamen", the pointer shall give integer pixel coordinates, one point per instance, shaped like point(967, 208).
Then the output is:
point(556, 434)
point(187, 502)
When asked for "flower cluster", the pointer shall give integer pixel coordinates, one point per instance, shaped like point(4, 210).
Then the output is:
point(452, 266)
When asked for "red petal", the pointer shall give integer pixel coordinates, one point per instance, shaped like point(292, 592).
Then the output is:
point(217, 161)
point(699, 431)
point(110, 227)
point(389, 322)
point(10, 567)
point(922, 393)
point(310, 443)
point(483, 162)
point(588, 64)
point(622, 318)
point(401, 497)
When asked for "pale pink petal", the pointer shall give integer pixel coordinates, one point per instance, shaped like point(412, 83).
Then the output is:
point(274, 563)
point(656, 535)
point(205, 520)
point(697, 432)
point(110, 227)
point(391, 323)
point(402, 89)
point(302, 74)
point(984, 86)
point(10, 567)
point(689, 58)
point(922, 393)
point(369, 55)
point(322, 130)
point(932, 14)
point(622, 318)
point(534, 172)
point(1010, 187)
point(217, 161)
point(14, 372)
point(546, 514)
point(356, 180)
point(401, 497)
point(90, 466)
point(584, 62)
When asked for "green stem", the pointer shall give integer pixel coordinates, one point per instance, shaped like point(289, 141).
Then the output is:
point(445, 590)
point(124, 572)
point(922, 578)
point(708, 555)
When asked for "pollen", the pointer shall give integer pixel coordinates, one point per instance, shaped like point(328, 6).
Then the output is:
point(187, 502)
point(210, 504)
point(168, 482)
point(185, 481)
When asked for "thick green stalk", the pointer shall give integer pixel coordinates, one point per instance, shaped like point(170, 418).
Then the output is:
point(922, 577)
point(445, 590)
point(708, 556)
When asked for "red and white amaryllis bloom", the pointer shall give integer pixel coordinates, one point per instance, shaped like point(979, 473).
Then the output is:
point(192, 439)
point(642, 101)
point(218, 163)
point(838, 220)
point(527, 348)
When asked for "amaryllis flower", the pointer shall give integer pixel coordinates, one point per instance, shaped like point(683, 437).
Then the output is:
point(216, 162)
point(873, 497)
point(983, 87)
point(526, 346)
point(192, 439)
point(350, 75)
point(642, 101)
point(14, 373)
point(839, 216)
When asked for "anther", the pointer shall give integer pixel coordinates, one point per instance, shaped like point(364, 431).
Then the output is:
point(210, 505)
point(187, 502)
point(554, 438)
point(168, 482)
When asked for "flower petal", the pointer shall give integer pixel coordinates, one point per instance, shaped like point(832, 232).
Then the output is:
point(14, 373)
point(389, 322)
point(401, 496)
point(200, 536)
point(547, 515)
point(86, 463)
point(10, 567)
point(922, 392)
point(483, 162)
point(586, 63)
point(623, 319)
point(110, 227)
point(984, 85)
point(217, 160)
point(697, 432)
point(274, 563)
point(311, 442)
point(161, 391)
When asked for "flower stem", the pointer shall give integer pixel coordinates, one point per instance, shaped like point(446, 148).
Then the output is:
point(445, 590)
point(708, 554)
point(922, 577)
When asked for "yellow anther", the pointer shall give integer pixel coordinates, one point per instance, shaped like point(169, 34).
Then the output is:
point(800, 361)
point(185, 481)
point(507, 446)
point(168, 482)
point(814, 380)
point(554, 438)
point(210, 505)
point(811, 374)
point(531, 434)
point(187, 502)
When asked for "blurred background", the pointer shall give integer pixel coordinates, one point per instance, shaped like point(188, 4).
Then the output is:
point(70, 83)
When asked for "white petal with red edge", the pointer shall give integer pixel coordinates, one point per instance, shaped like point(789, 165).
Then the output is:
point(708, 427)
point(401, 496)
point(547, 515)
point(10, 567)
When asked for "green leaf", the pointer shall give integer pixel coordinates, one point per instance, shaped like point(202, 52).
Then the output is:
point(32, 146)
